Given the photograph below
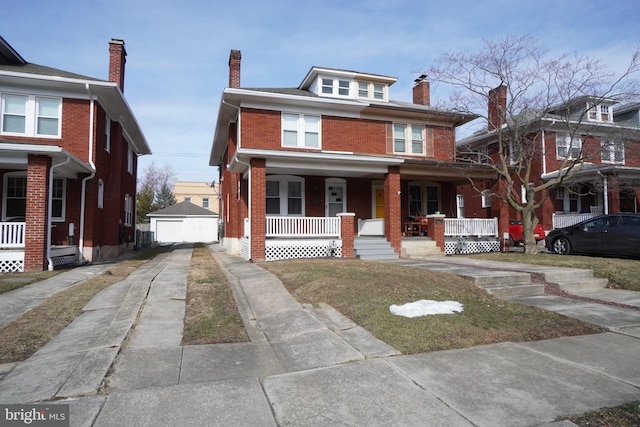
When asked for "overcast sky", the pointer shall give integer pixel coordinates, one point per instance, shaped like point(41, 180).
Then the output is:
point(178, 50)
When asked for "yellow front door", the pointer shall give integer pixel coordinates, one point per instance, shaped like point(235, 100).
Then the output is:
point(379, 203)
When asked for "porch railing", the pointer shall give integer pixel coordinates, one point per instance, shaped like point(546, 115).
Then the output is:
point(12, 235)
point(561, 220)
point(480, 227)
point(286, 226)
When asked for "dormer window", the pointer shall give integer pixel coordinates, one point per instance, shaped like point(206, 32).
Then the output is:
point(599, 113)
point(336, 87)
point(371, 90)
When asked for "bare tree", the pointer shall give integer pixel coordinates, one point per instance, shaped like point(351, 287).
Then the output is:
point(520, 89)
point(154, 190)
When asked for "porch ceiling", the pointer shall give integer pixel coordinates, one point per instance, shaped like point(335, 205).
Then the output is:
point(444, 171)
point(14, 156)
point(592, 172)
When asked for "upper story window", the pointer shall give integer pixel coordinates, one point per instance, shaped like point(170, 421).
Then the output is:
point(205, 202)
point(371, 90)
point(107, 134)
point(408, 139)
point(100, 194)
point(129, 159)
point(30, 115)
point(128, 210)
point(336, 87)
point(187, 199)
point(612, 152)
point(483, 154)
point(599, 113)
point(300, 130)
point(568, 147)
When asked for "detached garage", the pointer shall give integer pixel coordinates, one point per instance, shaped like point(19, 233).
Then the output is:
point(184, 222)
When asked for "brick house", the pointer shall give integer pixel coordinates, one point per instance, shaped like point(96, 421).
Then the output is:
point(606, 141)
point(68, 160)
point(317, 169)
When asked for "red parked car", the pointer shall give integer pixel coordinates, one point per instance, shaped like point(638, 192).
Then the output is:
point(516, 236)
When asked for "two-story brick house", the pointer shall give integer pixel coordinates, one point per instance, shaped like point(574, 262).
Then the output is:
point(68, 161)
point(603, 149)
point(293, 159)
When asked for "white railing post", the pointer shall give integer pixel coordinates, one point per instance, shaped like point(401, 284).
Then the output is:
point(480, 227)
point(284, 226)
point(12, 234)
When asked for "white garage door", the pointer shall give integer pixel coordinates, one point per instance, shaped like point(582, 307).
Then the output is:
point(169, 231)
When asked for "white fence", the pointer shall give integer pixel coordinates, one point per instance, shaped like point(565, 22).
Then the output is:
point(12, 235)
point(561, 220)
point(479, 227)
point(285, 226)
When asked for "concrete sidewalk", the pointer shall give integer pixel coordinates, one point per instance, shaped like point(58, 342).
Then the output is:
point(121, 363)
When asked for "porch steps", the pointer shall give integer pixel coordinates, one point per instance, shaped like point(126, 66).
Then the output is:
point(419, 248)
point(373, 248)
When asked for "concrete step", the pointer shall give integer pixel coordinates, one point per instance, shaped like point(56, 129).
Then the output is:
point(566, 275)
point(582, 285)
point(514, 290)
point(373, 248)
point(419, 248)
point(488, 277)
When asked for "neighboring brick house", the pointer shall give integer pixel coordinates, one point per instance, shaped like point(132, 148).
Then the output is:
point(606, 142)
point(331, 159)
point(68, 160)
point(200, 193)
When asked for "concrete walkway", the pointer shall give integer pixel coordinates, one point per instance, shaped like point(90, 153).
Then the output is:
point(121, 363)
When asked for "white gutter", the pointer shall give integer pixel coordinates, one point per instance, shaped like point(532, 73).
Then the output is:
point(49, 214)
point(83, 190)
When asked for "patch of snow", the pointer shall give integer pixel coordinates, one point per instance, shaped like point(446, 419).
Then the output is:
point(425, 307)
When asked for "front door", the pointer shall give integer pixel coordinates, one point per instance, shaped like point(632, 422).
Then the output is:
point(335, 195)
point(379, 194)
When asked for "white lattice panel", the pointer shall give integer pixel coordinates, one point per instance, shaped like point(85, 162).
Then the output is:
point(64, 260)
point(462, 246)
point(292, 249)
point(12, 266)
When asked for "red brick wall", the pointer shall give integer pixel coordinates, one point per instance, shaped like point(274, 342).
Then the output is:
point(356, 135)
point(37, 213)
point(347, 225)
point(392, 223)
point(258, 209)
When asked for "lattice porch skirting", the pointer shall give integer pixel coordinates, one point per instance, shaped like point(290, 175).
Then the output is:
point(470, 245)
point(298, 248)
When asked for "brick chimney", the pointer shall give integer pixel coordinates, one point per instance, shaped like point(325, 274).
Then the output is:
point(117, 59)
point(234, 68)
point(421, 92)
point(497, 107)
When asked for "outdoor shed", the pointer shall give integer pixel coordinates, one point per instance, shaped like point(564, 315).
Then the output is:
point(184, 222)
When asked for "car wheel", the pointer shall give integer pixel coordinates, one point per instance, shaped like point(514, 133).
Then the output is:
point(561, 246)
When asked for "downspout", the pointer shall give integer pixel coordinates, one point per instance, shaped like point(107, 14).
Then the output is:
point(49, 215)
point(83, 190)
point(544, 155)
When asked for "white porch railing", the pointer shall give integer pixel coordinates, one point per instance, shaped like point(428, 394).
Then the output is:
point(561, 220)
point(12, 235)
point(286, 226)
point(480, 227)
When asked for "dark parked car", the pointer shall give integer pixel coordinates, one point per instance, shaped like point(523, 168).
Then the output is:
point(615, 234)
point(516, 236)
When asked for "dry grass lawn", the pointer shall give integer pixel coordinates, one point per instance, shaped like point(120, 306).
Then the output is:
point(212, 315)
point(364, 291)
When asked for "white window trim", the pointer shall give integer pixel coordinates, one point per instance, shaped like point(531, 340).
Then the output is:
point(337, 84)
point(107, 135)
point(486, 198)
point(408, 139)
point(283, 193)
point(371, 91)
point(569, 143)
point(301, 130)
point(22, 174)
point(608, 147)
point(595, 112)
point(100, 194)
point(128, 210)
point(205, 201)
point(31, 115)
point(129, 159)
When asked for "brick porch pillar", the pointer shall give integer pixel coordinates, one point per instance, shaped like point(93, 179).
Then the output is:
point(435, 229)
point(35, 246)
point(258, 207)
point(614, 194)
point(347, 234)
point(392, 208)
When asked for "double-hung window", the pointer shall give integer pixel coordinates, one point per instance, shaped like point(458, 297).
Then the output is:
point(128, 210)
point(15, 198)
point(336, 87)
point(371, 90)
point(30, 115)
point(285, 195)
point(300, 130)
point(612, 152)
point(408, 139)
point(568, 147)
